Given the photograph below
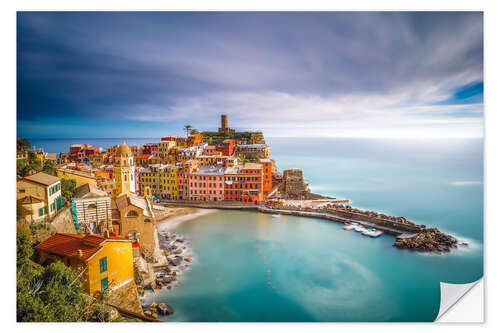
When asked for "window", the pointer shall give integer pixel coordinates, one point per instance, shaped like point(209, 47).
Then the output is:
point(103, 265)
point(132, 214)
point(104, 284)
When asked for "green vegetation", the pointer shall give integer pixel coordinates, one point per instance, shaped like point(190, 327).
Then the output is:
point(194, 132)
point(52, 293)
point(215, 138)
point(68, 188)
point(249, 158)
point(20, 211)
point(25, 166)
point(22, 144)
point(187, 128)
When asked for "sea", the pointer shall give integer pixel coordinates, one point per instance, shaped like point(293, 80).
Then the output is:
point(251, 267)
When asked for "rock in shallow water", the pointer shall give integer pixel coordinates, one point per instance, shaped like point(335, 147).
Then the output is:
point(165, 309)
point(428, 240)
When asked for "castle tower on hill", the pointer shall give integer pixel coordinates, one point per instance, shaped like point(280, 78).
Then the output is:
point(124, 170)
point(224, 125)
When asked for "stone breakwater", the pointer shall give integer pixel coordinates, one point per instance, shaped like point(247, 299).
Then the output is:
point(409, 235)
point(428, 240)
point(178, 252)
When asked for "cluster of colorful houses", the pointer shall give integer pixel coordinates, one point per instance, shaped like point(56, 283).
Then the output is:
point(114, 209)
point(176, 168)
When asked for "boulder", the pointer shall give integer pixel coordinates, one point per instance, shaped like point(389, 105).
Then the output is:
point(165, 309)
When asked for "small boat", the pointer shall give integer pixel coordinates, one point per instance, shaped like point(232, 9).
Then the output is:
point(349, 226)
point(359, 228)
point(367, 231)
point(276, 215)
point(376, 233)
point(372, 233)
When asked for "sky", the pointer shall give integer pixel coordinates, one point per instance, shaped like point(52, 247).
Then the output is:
point(289, 74)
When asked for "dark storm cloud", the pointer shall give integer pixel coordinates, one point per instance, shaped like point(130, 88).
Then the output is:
point(119, 66)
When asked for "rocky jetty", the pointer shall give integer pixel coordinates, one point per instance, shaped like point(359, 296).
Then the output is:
point(178, 255)
point(428, 240)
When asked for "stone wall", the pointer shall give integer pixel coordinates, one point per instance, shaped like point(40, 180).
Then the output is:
point(294, 182)
point(63, 222)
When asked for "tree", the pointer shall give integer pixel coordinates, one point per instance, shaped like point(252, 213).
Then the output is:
point(54, 293)
point(20, 210)
point(194, 132)
point(68, 188)
point(31, 156)
point(22, 168)
point(187, 128)
point(48, 167)
point(22, 144)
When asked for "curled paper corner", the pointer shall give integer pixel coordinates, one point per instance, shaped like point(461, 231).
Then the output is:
point(451, 294)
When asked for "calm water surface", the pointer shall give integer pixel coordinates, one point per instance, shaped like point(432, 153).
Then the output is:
point(252, 267)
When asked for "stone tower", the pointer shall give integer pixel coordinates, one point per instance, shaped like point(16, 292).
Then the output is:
point(124, 170)
point(224, 124)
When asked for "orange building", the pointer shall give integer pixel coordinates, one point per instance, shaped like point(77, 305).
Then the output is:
point(194, 139)
point(105, 180)
point(267, 175)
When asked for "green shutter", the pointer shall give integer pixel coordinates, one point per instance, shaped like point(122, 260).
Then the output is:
point(103, 264)
point(104, 284)
point(41, 211)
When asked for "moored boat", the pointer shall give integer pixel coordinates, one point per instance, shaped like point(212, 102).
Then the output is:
point(372, 232)
point(349, 226)
point(276, 215)
point(359, 228)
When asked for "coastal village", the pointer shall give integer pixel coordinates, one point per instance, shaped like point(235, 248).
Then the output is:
point(98, 211)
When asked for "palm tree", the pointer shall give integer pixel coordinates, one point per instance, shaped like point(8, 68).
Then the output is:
point(187, 128)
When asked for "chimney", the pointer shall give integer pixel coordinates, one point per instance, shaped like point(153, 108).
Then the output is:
point(80, 253)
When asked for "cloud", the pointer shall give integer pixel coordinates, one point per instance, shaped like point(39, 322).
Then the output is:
point(319, 73)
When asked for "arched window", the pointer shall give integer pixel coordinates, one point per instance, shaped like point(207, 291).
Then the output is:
point(147, 220)
point(92, 206)
point(132, 213)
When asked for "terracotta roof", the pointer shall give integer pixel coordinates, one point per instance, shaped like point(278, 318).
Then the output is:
point(67, 245)
point(42, 178)
point(143, 156)
point(99, 239)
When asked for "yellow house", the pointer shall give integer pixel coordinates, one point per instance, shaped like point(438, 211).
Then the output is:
point(150, 177)
point(41, 194)
point(161, 179)
point(168, 185)
point(104, 263)
point(163, 148)
point(81, 177)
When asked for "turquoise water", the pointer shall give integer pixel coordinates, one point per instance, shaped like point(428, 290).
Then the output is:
point(252, 267)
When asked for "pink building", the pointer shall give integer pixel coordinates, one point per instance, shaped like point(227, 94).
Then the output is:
point(206, 183)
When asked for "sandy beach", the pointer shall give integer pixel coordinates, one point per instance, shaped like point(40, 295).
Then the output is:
point(178, 215)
